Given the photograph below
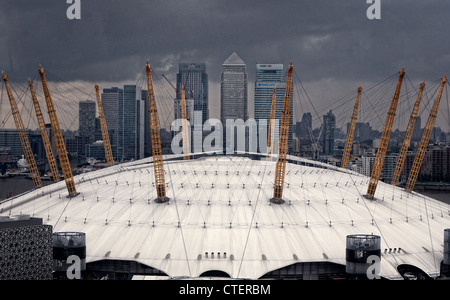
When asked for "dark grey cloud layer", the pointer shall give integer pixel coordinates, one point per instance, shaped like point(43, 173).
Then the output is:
point(325, 38)
point(331, 42)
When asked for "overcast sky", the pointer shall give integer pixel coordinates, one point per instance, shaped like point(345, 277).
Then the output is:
point(333, 45)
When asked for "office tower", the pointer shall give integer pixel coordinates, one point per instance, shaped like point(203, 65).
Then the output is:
point(268, 77)
point(363, 132)
point(87, 110)
point(10, 141)
point(306, 126)
point(147, 133)
point(112, 100)
point(233, 99)
point(98, 130)
point(417, 131)
point(389, 164)
point(435, 136)
point(26, 251)
point(131, 134)
point(125, 117)
point(329, 126)
point(195, 80)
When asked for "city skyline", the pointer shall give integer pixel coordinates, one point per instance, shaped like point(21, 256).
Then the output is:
point(333, 45)
point(213, 103)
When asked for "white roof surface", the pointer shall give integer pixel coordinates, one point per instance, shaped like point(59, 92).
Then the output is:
point(221, 204)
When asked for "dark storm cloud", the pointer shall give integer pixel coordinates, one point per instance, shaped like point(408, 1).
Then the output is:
point(325, 39)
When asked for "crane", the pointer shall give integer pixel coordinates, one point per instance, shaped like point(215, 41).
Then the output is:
point(417, 164)
point(351, 132)
point(384, 142)
point(185, 132)
point(156, 140)
point(46, 140)
point(57, 135)
point(105, 134)
point(283, 143)
point(270, 136)
point(407, 139)
point(34, 172)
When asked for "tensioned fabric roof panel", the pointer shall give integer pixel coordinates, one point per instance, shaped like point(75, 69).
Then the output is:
point(220, 204)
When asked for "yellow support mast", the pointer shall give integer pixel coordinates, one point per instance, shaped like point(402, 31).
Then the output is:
point(105, 134)
point(47, 145)
point(34, 172)
point(158, 166)
point(283, 143)
point(417, 164)
point(57, 135)
point(185, 133)
point(407, 139)
point(351, 132)
point(381, 153)
point(271, 133)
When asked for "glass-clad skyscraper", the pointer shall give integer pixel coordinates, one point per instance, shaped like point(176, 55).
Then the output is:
point(195, 79)
point(132, 133)
point(233, 96)
point(125, 117)
point(86, 127)
point(268, 77)
point(329, 126)
point(112, 100)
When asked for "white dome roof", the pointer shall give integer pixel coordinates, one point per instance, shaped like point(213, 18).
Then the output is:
point(220, 204)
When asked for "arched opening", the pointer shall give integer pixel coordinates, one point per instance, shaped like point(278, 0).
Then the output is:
point(112, 269)
point(308, 271)
point(410, 272)
point(215, 273)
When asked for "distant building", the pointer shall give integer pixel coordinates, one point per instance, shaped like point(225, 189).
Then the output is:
point(87, 111)
point(436, 164)
point(268, 77)
point(132, 133)
point(387, 172)
point(10, 143)
point(305, 130)
point(233, 99)
point(363, 132)
point(26, 249)
point(96, 150)
point(147, 133)
point(112, 100)
point(436, 135)
point(195, 79)
point(367, 165)
point(329, 126)
point(9, 138)
point(125, 117)
point(417, 131)
point(98, 130)
point(76, 145)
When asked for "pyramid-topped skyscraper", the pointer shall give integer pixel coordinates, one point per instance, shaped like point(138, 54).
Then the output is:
point(234, 59)
point(233, 93)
